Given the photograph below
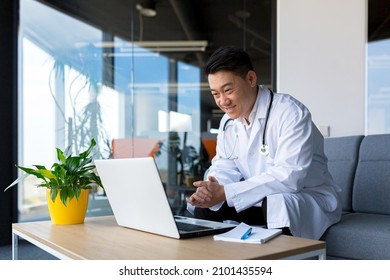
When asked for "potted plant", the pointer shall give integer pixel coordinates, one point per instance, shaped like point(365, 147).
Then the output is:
point(67, 183)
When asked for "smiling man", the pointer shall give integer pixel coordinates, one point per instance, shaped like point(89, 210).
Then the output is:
point(270, 167)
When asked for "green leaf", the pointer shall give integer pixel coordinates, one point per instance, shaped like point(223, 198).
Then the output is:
point(64, 195)
point(47, 174)
point(40, 167)
point(66, 177)
point(21, 178)
point(60, 156)
point(31, 171)
point(77, 192)
point(88, 151)
point(68, 151)
point(53, 194)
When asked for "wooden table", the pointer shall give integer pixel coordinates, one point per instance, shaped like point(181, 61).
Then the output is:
point(100, 238)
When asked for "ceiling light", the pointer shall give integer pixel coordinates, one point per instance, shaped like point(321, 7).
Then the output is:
point(147, 8)
point(157, 46)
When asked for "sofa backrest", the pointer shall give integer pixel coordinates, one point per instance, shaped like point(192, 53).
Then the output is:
point(343, 154)
point(371, 191)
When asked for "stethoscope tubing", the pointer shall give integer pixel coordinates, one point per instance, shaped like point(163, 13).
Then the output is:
point(267, 115)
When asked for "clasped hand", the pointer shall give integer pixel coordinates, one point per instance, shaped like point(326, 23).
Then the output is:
point(208, 193)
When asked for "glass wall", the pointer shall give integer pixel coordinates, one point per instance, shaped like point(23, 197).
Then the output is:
point(378, 87)
point(130, 79)
point(378, 68)
point(133, 80)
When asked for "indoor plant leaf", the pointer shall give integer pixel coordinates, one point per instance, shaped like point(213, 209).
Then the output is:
point(68, 176)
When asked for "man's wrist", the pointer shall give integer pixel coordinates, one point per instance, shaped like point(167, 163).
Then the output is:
point(228, 196)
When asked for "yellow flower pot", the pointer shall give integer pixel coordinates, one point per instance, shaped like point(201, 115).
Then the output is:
point(73, 213)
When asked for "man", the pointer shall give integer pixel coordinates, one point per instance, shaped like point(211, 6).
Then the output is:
point(270, 167)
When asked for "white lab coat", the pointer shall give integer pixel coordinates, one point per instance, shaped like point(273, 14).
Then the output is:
point(294, 177)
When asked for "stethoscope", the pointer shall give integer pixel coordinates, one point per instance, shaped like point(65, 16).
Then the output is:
point(264, 149)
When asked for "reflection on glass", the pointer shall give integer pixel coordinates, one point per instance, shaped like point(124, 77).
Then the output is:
point(61, 107)
point(62, 87)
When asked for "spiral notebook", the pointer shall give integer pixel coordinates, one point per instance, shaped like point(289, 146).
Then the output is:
point(240, 234)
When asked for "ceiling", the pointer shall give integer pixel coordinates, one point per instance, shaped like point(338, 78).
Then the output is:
point(378, 20)
point(246, 23)
point(220, 22)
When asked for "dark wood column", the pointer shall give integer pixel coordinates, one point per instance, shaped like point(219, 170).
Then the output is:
point(9, 11)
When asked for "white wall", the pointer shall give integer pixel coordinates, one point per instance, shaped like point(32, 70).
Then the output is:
point(321, 54)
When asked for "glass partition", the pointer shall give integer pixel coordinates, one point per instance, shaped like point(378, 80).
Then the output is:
point(130, 79)
point(378, 87)
point(378, 68)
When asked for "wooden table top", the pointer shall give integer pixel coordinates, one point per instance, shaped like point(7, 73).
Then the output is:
point(100, 238)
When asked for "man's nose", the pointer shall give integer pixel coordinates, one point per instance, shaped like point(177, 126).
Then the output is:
point(224, 100)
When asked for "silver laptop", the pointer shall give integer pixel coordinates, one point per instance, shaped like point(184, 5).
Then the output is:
point(138, 200)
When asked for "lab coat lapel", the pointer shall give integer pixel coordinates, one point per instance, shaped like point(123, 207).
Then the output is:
point(258, 122)
point(241, 162)
point(255, 133)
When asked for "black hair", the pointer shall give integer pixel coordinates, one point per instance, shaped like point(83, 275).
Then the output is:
point(229, 58)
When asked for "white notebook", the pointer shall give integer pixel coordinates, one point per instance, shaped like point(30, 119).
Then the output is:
point(258, 235)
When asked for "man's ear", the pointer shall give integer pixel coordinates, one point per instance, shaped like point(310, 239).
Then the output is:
point(252, 78)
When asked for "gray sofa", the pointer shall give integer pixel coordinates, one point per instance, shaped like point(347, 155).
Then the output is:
point(361, 167)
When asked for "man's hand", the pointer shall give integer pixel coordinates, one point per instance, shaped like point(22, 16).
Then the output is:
point(208, 193)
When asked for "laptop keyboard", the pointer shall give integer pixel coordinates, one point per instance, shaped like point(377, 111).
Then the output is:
point(190, 227)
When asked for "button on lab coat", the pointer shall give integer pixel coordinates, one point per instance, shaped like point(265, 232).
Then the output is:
point(294, 177)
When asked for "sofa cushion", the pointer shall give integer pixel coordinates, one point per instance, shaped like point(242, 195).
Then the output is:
point(359, 236)
point(371, 191)
point(343, 153)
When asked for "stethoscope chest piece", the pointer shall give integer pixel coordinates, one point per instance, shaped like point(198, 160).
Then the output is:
point(263, 150)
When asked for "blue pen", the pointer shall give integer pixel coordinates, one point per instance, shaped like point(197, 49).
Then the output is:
point(246, 234)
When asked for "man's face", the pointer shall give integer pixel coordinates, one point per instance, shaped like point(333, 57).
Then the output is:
point(233, 94)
